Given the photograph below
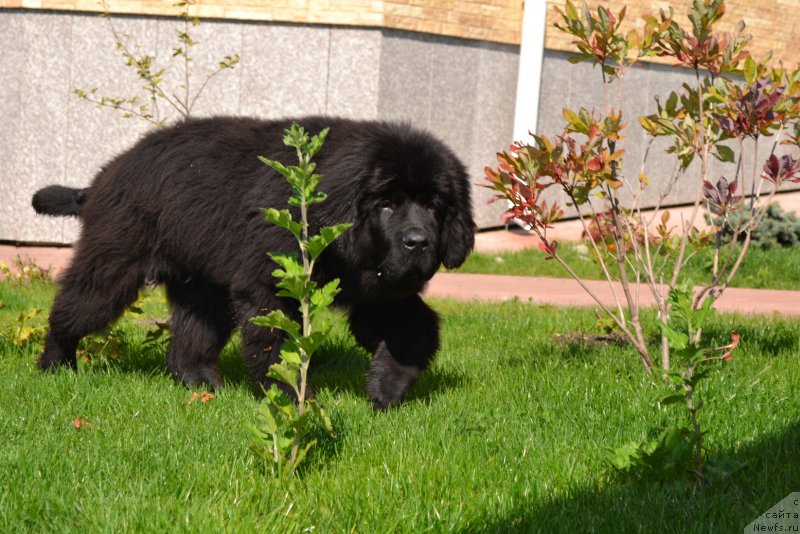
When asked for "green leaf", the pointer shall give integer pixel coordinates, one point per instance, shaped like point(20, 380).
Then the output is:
point(625, 457)
point(301, 423)
point(750, 70)
point(698, 376)
point(676, 378)
point(571, 11)
point(290, 352)
point(322, 417)
point(289, 262)
point(571, 117)
point(276, 165)
point(276, 319)
point(296, 287)
point(283, 218)
point(281, 401)
point(134, 311)
point(581, 195)
point(315, 198)
point(577, 59)
point(677, 340)
point(310, 343)
point(725, 154)
point(323, 297)
point(671, 105)
point(673, 399)
point(704, 313)
point(291, 266)
point(317, 141)
point(267, 419)
point(301, 453)
point(286, 374)
point(327, 234)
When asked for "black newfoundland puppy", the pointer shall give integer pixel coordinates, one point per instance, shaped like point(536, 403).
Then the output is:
point(183, 208)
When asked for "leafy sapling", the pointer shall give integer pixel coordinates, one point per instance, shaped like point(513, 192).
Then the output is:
point(684, 333)
point(735, 102)
point(179, 98)
point(680, 449)
point(282, 436)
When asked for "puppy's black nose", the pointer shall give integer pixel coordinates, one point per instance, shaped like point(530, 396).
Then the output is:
point(415, 239)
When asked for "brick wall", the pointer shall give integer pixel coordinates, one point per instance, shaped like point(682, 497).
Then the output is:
point(771, 22)
point(487, 20)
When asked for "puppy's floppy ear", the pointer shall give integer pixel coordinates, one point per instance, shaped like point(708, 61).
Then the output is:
point(457, 236)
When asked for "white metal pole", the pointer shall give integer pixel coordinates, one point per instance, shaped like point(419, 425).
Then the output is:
point(529, 79)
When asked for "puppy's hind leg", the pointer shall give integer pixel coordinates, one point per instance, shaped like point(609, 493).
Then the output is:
point(94, 292)
point(202, 321)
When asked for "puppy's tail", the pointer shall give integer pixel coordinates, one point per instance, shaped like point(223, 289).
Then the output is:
point(59, 200)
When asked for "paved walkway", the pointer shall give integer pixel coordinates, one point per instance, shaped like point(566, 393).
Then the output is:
point(568, 292)
point(559, 292)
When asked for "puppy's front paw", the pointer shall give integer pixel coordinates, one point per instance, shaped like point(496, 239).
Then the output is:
point(389, 381)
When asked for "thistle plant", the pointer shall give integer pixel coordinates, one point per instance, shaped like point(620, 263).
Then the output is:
point(282, 435)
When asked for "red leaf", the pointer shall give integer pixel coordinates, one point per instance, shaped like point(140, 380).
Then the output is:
point(594, 164)
point(203, 397)
point(551, 250)
point(594, 131)
point(710, 192)
point(734, 343)
point(82, 423)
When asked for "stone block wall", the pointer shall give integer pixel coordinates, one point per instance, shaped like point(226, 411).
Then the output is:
point(445, 65)
point(446, 85)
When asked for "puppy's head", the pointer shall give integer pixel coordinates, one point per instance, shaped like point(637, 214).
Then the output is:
point(414, 211)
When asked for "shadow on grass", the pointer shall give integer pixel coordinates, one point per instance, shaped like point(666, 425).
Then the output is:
point(772, 472)
point(342, 366)
point(151, 360)
point(771, 336)
point(339, 365)
point(435, 382)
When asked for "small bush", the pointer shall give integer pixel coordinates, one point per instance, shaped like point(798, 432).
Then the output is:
point(778, 228)
point(24, 272)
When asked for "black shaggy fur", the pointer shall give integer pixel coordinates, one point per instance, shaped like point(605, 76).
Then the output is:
point(59, 200)
point(183, 208)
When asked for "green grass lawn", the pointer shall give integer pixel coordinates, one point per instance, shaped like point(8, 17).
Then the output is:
point(507, 432)
point(776, 268)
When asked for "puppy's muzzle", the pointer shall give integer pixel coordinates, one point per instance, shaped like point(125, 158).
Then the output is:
point(415, 239)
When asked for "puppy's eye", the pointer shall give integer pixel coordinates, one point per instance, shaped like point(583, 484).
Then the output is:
point(385, 204)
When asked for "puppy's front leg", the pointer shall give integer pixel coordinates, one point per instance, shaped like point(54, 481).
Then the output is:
point(403, 337)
